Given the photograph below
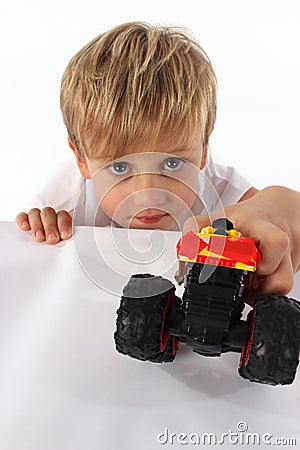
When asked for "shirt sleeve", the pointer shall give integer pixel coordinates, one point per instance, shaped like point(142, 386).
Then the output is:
point(228, 183)
point(62, 191)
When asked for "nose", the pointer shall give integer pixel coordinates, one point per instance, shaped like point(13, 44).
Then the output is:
point(148, 191)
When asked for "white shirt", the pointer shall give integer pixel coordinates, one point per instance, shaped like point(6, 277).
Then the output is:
point(219, 186)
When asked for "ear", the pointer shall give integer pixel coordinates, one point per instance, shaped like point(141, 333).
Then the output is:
point(203, 158)
point(80, 161)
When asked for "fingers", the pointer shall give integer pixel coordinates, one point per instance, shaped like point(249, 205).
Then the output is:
point(276, 269)
point(48, 219)
point(36, 225)
point(64, 223)
point(280, 281)
point(46, 224)
point(273, 244)
point(196, 223)
point(22, 221)
point(192, 224)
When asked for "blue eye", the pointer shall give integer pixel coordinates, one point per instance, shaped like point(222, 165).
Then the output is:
point(119, 168)
point(173, 163)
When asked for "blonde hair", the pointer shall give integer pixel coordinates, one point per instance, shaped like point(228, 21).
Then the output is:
point(137, 84)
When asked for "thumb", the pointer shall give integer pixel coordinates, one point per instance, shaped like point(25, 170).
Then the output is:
point(196, 223)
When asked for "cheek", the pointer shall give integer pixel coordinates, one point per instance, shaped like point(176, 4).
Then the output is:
point(112, 200)
point(183, 191)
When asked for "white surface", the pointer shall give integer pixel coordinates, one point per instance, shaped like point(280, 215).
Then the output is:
point(253, 45)
point(64, 387)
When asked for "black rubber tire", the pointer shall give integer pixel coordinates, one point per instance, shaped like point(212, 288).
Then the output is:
point(139, 325)
point(272, 354)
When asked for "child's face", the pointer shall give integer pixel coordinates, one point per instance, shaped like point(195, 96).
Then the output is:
point(149, 189)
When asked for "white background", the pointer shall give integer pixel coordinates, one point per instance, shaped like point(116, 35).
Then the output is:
point(63, 386)
point(253, 45)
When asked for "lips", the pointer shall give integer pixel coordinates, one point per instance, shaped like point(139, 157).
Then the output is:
point(151, 219)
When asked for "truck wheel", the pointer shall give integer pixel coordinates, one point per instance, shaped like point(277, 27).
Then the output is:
point(140, 321)
point(272, 352)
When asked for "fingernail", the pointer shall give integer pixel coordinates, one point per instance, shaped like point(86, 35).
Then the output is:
point(25, 224)
point(65, 234)
point(39, 234)
point(51, 237)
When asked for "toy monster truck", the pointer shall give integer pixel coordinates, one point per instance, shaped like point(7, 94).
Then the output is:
point(215, 265)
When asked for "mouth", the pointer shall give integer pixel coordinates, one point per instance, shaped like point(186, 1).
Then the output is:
point(151, 219)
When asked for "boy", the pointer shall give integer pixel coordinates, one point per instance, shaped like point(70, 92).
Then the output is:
point(139, 104)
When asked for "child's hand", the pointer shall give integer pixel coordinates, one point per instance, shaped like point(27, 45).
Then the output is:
point(46, 224)
point(272, 218)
